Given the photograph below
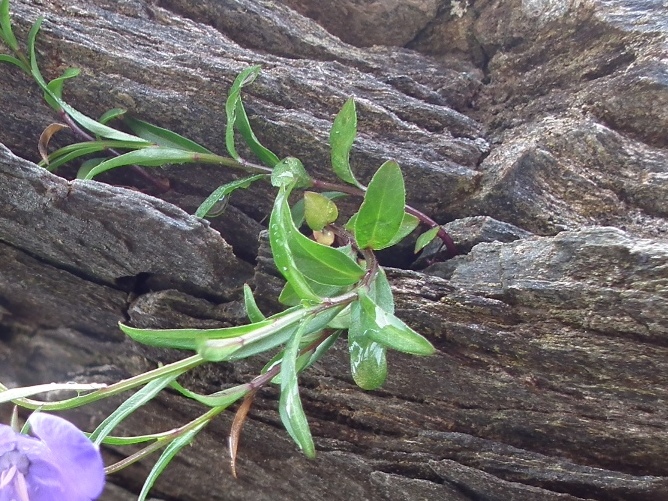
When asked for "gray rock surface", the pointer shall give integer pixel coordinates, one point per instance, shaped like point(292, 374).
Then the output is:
point(547, 117)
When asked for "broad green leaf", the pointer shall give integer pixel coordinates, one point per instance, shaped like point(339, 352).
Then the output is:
point(280, 225)
point(290, 171)
point(233, 98)
point(290, 405)
point(382, 211)
point(162, 137)
point(253, 312)
point(6, 27)
point(389, 331)
point(426, 238)
point(149, 157)
point(141, 397)
point(223, 398)
point(223, 191)
point(111, 114)
point(341, 140)
point(167, 455)
point(368, 363)
point(319, 210)
point(319, 263)
point(298, 208)
point(408, 224)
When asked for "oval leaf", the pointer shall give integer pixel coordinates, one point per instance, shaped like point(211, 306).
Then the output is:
point(368, 363)
point(426, 238)
point(341, 139)
point(382, 211)
point(388, 330)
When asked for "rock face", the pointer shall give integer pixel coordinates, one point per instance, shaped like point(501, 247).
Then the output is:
point(536, 128)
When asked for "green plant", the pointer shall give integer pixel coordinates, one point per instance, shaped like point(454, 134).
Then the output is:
point(334, 284)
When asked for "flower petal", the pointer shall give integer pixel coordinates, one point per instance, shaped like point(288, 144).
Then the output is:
point(77, 458)
point(7, 439)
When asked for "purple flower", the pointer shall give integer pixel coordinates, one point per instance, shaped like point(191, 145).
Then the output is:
point(58, 463)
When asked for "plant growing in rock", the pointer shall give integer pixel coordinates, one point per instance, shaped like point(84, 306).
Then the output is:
point(334, 284)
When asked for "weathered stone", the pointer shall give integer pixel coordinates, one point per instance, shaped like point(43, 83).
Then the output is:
point(467, 233)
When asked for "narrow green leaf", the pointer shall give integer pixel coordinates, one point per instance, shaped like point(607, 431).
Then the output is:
point(341, 139)
point(111, 114)
point(88, 123)
point(242, 124)
point(139, 398)
point(290, 405)
point(222, 191)
point(167, 455)
point(368, 362)
point(319, 210)
point(7, 395)
point(162, 137)
point(382, 211)
point(381, 292)
point(245, 77)
point(316, 324)
point(253, 312)
point(87, 166)
point(290, 171)
point(389, 331)
point(188, 339)
point(300, 363)
point(322, 349)
point(56, 86)
point(137, 439)
point(6, 27)
point(289, 297)
point(223, 398)
point(4, 58)
point(67, 154)
point(150, 157)
point(426, 238)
